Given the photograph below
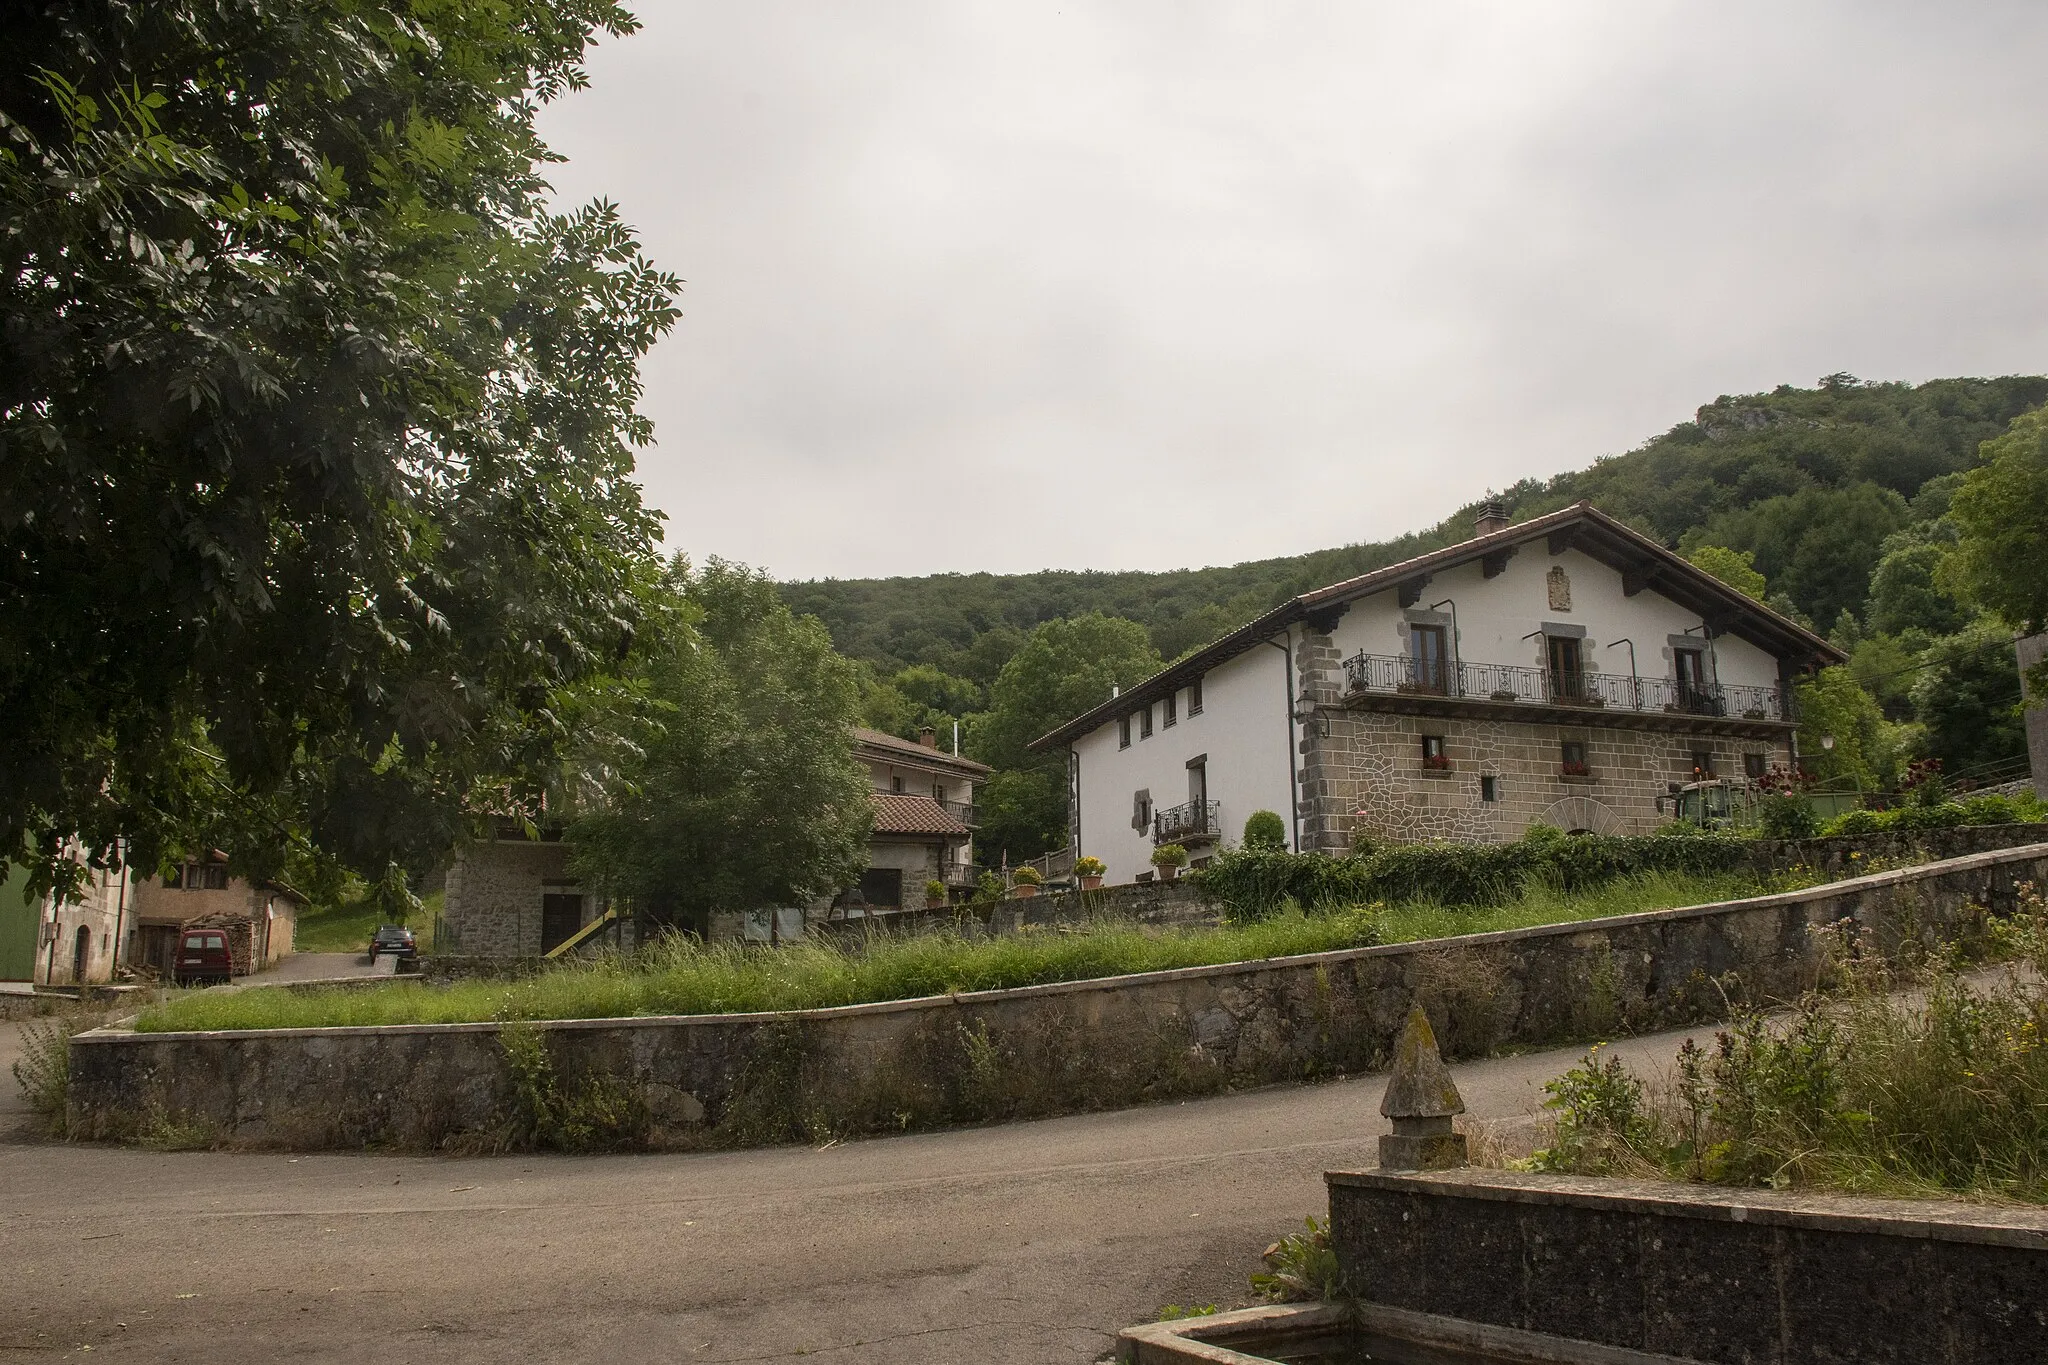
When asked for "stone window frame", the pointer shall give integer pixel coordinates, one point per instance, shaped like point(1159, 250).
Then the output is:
point(1710, 672)
point(1573, 758)
point(1435, 756)
point(1755, 764)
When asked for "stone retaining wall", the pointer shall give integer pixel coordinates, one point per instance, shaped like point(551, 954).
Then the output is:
point(747, 1079)
point(1737, 1276)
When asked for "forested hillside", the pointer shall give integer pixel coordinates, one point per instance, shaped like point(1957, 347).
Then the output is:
point(1836, 495)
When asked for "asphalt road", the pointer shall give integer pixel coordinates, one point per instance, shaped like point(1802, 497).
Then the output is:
point(1024, 1242)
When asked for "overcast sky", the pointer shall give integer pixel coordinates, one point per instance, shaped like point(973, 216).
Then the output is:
point(1145, 285)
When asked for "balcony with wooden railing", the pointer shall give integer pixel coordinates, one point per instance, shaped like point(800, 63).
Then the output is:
point(1511, 685)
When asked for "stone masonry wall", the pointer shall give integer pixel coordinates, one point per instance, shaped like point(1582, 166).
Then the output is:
point(746, 1079)
point(494, 891)
point(1742, 1277)
point(1371, 762)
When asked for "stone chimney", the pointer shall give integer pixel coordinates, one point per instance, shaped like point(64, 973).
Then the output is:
point(1421, 1099)
point(1492, 517)
point(928, 737)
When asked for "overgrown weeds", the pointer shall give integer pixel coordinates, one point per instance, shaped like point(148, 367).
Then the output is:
point(43, 1071)
point(596, 1111)
point(1301, 1267)
point(1931, 1080)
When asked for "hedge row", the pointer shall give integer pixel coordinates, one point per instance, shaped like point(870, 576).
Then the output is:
point(1975, 810)
point(1254, 884)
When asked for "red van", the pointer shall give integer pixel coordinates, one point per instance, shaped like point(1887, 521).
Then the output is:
point(203, 956)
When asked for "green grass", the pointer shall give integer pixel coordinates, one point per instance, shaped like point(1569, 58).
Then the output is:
point(684, 978)
point(347, 927)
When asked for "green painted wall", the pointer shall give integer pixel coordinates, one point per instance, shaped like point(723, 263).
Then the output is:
point(19, 913)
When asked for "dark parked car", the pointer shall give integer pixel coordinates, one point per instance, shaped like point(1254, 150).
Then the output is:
point(203, 956)
point(395, 940)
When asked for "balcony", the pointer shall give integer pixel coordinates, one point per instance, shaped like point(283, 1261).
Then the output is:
point(966, 812)
point(1194, 822)
point(1506, 684)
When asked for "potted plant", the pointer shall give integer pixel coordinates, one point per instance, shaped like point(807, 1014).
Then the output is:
point(1169, 859)
point(934, 894)
point(1089, 870)
point(1436, 762)
point(1026, 880)
point(1577, 767)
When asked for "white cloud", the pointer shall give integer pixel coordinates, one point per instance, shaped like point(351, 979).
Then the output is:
point(981, 286)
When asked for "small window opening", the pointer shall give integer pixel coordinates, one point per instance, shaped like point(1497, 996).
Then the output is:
point(1702, 764)
point(1145, 723)
point(1195, 697)
point(1123, 732)
point(1172, 708)
point(1433, 755)
point(1489, 788)
point(1754, 765)
point(1573, 758)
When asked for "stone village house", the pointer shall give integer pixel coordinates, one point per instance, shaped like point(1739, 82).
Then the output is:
point(1565, 670)
point(514, 896)
point(128, 921)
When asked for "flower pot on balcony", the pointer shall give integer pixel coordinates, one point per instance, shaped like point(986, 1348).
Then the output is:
point(1168, 871)
point(1093, 883)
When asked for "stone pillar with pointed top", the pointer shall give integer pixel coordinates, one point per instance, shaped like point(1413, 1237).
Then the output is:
point(1421, 1100)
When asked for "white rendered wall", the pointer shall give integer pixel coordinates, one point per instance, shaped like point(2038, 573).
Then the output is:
point(1244, 730)
point(1496, 614)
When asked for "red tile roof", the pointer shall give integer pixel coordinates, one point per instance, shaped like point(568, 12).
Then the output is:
point(910, 749)
point(901, 813)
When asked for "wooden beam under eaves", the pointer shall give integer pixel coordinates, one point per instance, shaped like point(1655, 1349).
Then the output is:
point(1635, 580)
point(1410, 590)
point(1561, 539)
point(1323, 620)
point(1496, 564)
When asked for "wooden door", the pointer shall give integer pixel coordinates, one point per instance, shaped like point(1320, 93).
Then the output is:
point(560, 916)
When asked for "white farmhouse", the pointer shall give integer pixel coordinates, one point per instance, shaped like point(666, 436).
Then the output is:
point(1565, 670)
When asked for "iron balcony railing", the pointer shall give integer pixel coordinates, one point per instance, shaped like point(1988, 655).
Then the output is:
point(1553, 687)
point(1195, 820)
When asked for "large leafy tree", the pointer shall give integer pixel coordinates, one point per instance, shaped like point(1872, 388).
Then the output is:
point(741, 790)
point(1064, 668)
point(315, 421)
point(2001, 511)
point(1967, 700)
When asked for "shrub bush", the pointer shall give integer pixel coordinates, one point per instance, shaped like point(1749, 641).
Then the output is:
point(1265, 832)
point(1787, 816)
point(1976, 810)
point(1169, 855)
point(1089, 866)
point(1252, 885)
point(1026, 875)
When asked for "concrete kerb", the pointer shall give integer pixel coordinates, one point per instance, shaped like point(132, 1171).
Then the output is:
point(1025, 1051)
